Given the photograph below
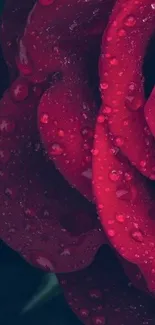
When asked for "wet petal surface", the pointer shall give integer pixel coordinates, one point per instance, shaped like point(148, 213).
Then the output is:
point(124, 45)
point(37, 205)
point(101, 294)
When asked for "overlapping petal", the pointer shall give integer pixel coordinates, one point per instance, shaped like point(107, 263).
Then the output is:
point(41, 217)
point(101, 294)
point(47, 128)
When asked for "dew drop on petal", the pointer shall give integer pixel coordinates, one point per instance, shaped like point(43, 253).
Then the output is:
point(111, 233)
point(123, 194)
point(6, 126)
point(137, 235)
point(113, 61)
point(104, 86)
point(84, 312)
point(130, 21)
point(99, 320)
point(44, 118)
point(19, 91)
point(107, 110)
point(56, 149)
point(120, 218)
point(95, 294)
point(114, 176)
point(61, 133)
point(121, 32)
point(119, 141)
point(95, 152)
point(101, 119)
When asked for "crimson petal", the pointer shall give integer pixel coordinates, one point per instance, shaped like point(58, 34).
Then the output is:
point(51, 225)
point(124, 45)
point(101, 294)
point(59, 23)
point(66, 119)
point(124, 203)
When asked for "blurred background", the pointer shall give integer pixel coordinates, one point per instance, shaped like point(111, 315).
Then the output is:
point(19, 282)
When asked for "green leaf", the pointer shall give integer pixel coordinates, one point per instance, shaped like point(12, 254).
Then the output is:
point(48, 290)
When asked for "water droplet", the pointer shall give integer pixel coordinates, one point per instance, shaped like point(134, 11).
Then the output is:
point(123, 194)
point(103, 86)
point(56, 149)
point(87, 173)
point(107, 110)
point(128, 176)
point(84, 312)
point(121, 32)
point(119, 142)
point(6, 126)
point(130, 21)
point(99, 320)
point(95, 293)
point(142, 163)
point(61, 133)
point(30, 212)
point(44, 118)
point(65, 252)
point(113, 61)
point(101, 119)
point(114, 176)
point(111, 232)
point(120, 218)
point(95, 152)
point(153, 6)
point(19, 90)
point(137, 235)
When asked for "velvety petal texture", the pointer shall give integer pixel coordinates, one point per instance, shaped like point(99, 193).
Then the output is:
point(77, 150)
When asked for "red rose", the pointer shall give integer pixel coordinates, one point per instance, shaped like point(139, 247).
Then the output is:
point(54, 133)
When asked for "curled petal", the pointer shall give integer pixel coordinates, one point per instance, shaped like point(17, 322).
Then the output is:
point(124, 203)
point(123, 49)
point(42, 218)
point(58, 25)
point(66, 119)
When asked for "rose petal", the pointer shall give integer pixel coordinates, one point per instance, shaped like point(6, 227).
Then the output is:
point(66, 118)
point(101, 294)
point(124, 203)
point(51, 225)
point(60, 23)
point(14, 17)
point(123, 49)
